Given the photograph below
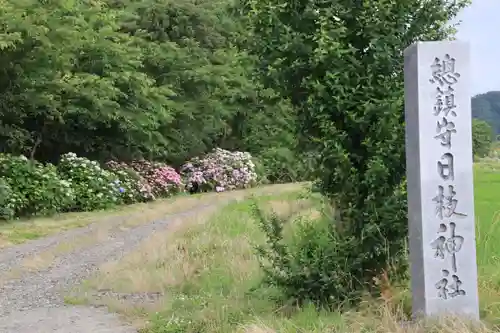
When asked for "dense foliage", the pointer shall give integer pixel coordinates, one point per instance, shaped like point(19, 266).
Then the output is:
point(340, 63)
point(313, 266)
point(95, 187)
point(126, 80)
point(482, 138)
point(487, 107)
point(30, 188)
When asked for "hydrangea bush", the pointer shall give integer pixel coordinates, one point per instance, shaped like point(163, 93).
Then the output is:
point(32, 188)
point(220, 170)
point(140, 190)
point(7, 202)
point(163, 179)
point(95, 187)
point(79, 184)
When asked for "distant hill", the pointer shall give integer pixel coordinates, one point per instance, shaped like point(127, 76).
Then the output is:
point(487, 107)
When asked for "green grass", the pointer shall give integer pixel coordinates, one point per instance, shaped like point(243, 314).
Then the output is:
point(211, 278)
point(225, 291)
point(487, 210)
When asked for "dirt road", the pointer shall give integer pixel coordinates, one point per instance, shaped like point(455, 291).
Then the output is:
point(33, 301)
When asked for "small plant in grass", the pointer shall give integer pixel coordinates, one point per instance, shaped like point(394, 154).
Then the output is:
point(95, 187)
point(316, 265)
point(221, 170)
point(163, 180)
point(32, 188)
point(172, 324)
point(137, 187)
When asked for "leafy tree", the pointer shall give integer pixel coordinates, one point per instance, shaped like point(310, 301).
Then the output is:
point(186, 48)
point(161, 79)
point(482, 137)
point(341, 65)
point(72, 82)
point(195, 48)
point(487, 107)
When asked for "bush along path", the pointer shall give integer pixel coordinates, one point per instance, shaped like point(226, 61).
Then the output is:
point(34, 301)
point(77, 184)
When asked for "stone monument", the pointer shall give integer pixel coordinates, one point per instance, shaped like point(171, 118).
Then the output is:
point(440, 186)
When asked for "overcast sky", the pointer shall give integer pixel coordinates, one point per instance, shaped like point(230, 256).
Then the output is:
point(481, 28)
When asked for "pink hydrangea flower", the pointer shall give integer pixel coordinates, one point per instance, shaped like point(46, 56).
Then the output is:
point(219, 171)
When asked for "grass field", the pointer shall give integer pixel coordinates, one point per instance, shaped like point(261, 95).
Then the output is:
point(205, 276)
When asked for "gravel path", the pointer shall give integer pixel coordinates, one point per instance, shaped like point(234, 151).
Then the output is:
point(34, 302)
point(68, 319)
point(11, 256)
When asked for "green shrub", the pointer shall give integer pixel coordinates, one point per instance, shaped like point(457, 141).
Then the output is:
point(345, 78)
point(261, 171)
point(94, 187)
point(283, 165)
point(316, 264)
point(136, 187)
point(7, 207)
point(482, 137)
point(33, 188)
point(321, 262)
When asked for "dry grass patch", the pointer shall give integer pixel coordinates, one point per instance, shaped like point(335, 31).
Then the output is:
point(16, 232)
point(372, 317)
point(37, 262)
point(160, 262)
point(308, 207)
point(256, 328)
point(173, 258)
point(20, 231)
point(168, 259)
point(31, 263)
point(138, 284)
point(46, 258)
point(286, 208)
